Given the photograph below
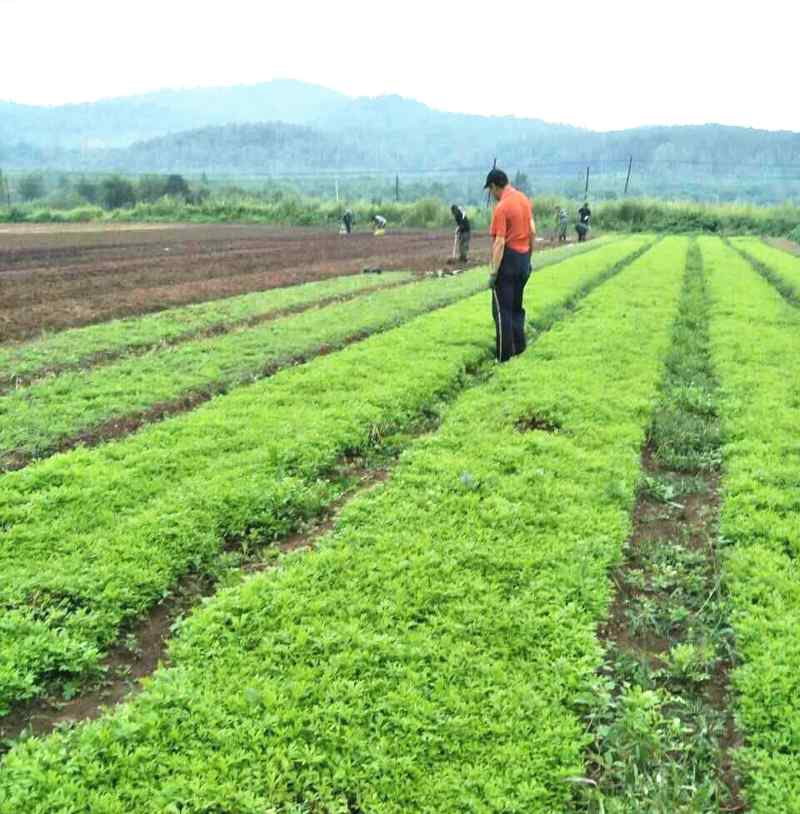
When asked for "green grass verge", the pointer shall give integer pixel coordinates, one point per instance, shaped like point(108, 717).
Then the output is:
point(95, 537)
point(35, 419)
point(753, 332)
point(71, 347)
point(428, 657)
point(628, 214)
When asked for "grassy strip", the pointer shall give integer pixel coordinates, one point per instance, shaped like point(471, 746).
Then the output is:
point(660, 712)
point(778, 267)
point(36, 419)
point(80, 345)
point(426, 658)
point(752, 331)
point(95, 537)
point(628, 214)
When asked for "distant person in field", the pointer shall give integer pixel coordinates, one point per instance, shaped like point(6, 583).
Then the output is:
point(380, 223)
point(463, 231)
point(584, 223)
point(347, 221)
point(513, 231)
point(562, 223)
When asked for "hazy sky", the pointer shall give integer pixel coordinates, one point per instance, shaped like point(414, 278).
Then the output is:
point(605, 65)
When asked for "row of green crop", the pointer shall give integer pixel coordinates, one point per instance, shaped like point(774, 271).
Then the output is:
point(755, 336)
point(428, 657)
point(72, 347)
point(34, 419)
point(93, 537)
point(781, 268)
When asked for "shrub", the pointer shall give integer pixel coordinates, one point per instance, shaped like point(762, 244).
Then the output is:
point(30, 187)
point(117, 192)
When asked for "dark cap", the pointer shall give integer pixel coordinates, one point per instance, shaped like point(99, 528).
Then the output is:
point(496, 177)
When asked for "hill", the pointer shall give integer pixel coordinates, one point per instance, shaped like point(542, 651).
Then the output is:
point(271, 147)
point(123, 121)
point(287, 126)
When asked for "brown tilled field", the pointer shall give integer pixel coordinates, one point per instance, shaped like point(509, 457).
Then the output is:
point(65, 276)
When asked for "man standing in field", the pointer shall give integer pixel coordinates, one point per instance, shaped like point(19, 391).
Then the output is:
point(347, 221)
point(584, 222)
point(514, 231)
point(463, 231)
point(563, 221)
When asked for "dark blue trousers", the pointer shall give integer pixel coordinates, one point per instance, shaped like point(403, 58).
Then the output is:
point(507, 310)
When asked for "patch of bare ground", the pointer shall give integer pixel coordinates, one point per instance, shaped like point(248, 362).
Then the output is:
point(52, 281)
point(538, 423)
point(784, 244)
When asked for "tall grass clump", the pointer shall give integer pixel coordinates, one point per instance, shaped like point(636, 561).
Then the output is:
point(292, 209)
point(651, 215)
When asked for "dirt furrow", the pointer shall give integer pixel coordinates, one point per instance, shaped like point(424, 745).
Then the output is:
point(663, 735)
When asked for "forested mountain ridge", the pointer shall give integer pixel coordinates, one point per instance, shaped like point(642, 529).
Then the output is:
point(293, 127)
point(235, 149)
point(123, 121)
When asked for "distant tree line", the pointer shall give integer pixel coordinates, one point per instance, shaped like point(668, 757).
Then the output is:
point(389, 136)
point(111, 192)
point(61, 191)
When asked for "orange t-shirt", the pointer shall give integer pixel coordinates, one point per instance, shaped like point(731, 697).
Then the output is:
point(512, 220)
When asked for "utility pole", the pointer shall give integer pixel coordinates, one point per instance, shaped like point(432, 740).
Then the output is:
point(397, 187)
point(336, 183)
point(586, 191)
point(628, 179)
point(488, 194)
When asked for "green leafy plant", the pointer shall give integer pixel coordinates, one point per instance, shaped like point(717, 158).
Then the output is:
point(426, 657)
point(751, 329)
point(251, 465)
point(37, 417)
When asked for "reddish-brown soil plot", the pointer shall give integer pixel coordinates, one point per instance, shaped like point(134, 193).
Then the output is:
point(785, 244)
point(57, 277)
